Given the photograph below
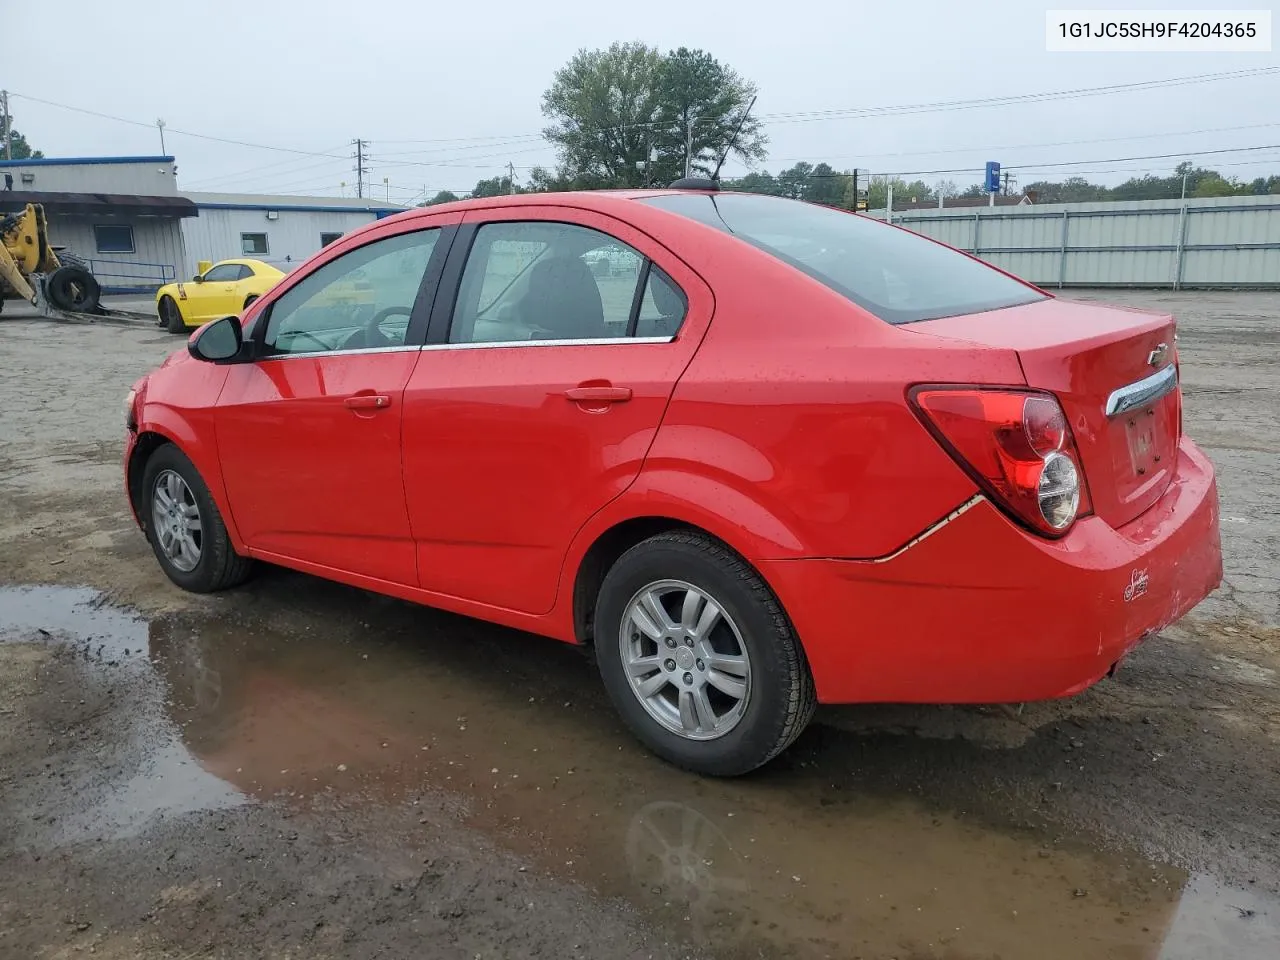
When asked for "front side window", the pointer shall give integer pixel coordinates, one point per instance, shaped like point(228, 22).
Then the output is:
point(539, 280)
point(223, 273)
point(899, 276)
point(113, 238)
point(254, 244)
point(360, 301)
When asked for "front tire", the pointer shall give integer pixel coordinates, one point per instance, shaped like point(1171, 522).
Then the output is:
point(171, 316)
point(698, 656)
point(185, 528)
point(73, 289)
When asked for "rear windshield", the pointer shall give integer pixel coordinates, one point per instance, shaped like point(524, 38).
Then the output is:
point(896, 275)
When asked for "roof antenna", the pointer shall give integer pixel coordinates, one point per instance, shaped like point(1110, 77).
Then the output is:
point(733, 141)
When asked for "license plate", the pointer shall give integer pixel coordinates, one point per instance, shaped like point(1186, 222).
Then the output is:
point(1142, 433)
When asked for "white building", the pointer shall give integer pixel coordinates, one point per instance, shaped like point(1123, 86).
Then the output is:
point(127, 219)
point(282, 231)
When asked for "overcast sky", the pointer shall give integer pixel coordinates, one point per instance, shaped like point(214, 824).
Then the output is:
point(421, 81)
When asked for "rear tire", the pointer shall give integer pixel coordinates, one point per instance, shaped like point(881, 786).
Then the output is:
point(171, 316)
point(198, 556)
point(751, 639)
point(248, 301)
point(73, 288)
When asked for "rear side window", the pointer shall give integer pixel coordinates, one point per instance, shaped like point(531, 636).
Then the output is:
point(894, 274)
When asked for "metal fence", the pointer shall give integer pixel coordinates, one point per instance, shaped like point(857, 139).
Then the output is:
point(129, 276)
point(1217, 242)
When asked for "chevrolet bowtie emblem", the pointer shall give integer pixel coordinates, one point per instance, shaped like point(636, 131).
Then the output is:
point(1157, 356)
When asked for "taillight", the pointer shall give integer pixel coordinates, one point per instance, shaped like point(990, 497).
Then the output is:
point(1017, 447)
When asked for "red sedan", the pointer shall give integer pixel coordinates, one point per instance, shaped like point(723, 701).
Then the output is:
point(758, 454)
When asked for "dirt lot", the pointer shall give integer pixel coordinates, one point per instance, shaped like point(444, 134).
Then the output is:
point(298, 769)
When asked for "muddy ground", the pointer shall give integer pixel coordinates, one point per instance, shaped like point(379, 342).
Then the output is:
point(298, 769)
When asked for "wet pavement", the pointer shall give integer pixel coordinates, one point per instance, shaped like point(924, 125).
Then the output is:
point(362, 703)
point(297, 769)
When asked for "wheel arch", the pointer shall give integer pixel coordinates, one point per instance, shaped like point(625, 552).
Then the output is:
point(610, 539)
point(151, 437)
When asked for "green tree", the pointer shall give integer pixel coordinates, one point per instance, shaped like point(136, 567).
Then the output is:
point(915, 192)
point(1070, 190)
point(700, 100)
point(18, 146)
point(1216, 186)
point(495, 187)
point(826, 186)
point(762, 182)
point(620, 117)
point(444, 196)
point(603, 104)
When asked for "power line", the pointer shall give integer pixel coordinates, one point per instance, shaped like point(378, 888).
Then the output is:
point(987, 148)
point(783, 117)
point(184, 133)
point(1056, 165)
point(1114, 88)
point(276, 163)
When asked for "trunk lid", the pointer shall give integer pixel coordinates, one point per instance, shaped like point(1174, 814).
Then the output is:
point(1114, 372)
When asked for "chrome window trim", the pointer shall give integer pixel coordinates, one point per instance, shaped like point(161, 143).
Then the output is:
point(1142, 392)
point(584, 342)
point(339, 353)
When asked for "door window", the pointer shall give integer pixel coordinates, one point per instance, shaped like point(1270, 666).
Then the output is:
point(223, 273)
point(360, 301)
point(539, 280)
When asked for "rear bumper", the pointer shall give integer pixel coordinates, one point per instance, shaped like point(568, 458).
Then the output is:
point(982, 612)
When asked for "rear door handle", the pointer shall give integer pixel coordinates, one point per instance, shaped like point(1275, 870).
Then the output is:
point(598, 394)
point(368, 401)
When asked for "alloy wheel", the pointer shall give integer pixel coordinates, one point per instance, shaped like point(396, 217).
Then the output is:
point(685, 659)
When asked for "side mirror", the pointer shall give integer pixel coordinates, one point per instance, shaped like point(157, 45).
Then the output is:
point(198, 278)
point(217, 342)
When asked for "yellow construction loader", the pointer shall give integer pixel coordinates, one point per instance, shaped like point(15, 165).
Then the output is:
point(30, 265)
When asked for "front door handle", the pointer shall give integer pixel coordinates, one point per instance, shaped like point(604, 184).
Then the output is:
point(598, 394)
point(368, 401)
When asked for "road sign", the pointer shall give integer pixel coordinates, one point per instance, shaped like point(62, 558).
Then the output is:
point(993, 177)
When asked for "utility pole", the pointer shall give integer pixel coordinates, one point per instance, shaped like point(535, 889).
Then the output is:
point(511, 177)
point(386, 182)
point(4, 104)
point(360, 147)
point(688, 146)
point(160, 127)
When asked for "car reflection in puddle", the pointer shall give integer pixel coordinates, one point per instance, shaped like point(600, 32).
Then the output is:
point(361, 702)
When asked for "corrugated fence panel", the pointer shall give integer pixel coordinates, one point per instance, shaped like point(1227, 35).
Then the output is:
point(1219, 241)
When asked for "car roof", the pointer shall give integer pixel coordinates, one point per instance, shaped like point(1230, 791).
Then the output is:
point(247, 262)
point(586, 199)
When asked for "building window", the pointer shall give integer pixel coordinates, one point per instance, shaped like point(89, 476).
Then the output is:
point(253, 244)
point(328, 238)
point(113, 238)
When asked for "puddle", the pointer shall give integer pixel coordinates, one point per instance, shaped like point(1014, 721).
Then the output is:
point(341, 696)
point(144, 771)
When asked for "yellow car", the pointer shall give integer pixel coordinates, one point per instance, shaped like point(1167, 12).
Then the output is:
point(218, 291)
